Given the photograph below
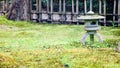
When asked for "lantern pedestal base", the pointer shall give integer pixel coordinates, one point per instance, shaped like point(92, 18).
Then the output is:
point(91, 37)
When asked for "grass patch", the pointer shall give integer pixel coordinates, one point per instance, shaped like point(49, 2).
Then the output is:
point(116, 32)
point(74, 58)
point(24, 44)
point(4, 21)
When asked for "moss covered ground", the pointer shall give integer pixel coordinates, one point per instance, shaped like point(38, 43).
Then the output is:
point(31, 45)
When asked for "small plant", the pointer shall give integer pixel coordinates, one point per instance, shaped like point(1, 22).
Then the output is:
point(76, 44)
point(113, 23)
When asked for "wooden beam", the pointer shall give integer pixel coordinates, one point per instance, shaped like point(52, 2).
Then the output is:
point(119, 12)
point(90, 5)
point(37, 5)
point(47, 5)
point(60, 5)
point(30, 8)
point(104, 11)
point(72, 6)
point(104, 7)
point(40, 6)
point(51, 10)
point(85, 6)
point(51, 4)
point(72, 16)
point(100, 6)
point(64, 10)
point(77, 6)
point(60, 9)
point(3, 6)
point(30, 5)
point(40, 11)
point(114, 10)
point(64, 6)
point(77, 10)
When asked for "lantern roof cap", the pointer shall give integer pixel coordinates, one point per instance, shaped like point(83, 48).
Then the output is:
point(90, 12)
point(90, 15)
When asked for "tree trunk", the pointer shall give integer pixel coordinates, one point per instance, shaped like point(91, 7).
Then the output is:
point(19, 10)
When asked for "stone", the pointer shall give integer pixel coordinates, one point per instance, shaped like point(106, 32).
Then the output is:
point(91, 26)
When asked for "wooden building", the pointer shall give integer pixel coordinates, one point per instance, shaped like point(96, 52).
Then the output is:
point(66, 11)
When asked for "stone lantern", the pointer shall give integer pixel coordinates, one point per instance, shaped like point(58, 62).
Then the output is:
point(91, 26)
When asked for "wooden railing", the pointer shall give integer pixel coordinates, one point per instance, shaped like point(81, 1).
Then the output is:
point(41, 13)
point(63, 16)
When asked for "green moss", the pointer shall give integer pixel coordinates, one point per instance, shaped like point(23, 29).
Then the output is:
point(112, 42)
point(116, 32)
point(4, 21)
point(74, 58)
point(23, 44)
point(7, 62)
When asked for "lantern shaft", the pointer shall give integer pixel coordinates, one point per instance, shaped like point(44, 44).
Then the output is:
point(92, 38)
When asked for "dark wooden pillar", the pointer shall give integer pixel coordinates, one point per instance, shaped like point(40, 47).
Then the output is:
point(72, 6)
point(77, 10)
point(47, 5)
point(100, 6)
point(30, 4)
point(114, 10)
point(77, 6)
point(72, 15)
point(30, 8)
point(51, 10)
point(104, 2)
point(40, 10)
point(60, 10)
point(64, 12)
point(37, 6)
point(119, 12)
point(90, 5)
point(60, 6)
point(85, 6)
point(48, 10)
point(64, 9)
point(3, 5)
